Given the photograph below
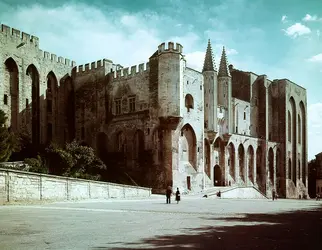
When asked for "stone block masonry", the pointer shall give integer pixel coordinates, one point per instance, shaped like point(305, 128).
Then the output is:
point(26, 186)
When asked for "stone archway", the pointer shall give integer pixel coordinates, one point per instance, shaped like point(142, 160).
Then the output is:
point(231, 160)
point(12, 75)
point(241, 159)
point(293, 137)
point(250, 156)
point(51, 105)
point(33, 73)
point(217, 176)
point(303, 143)
point(138, 144)
point(189, 145)
point(260, 170)
point(207, 158)
point(219, 150)
point(271, 166)
point(101, 145)
point(120, 142)
point(70, 108)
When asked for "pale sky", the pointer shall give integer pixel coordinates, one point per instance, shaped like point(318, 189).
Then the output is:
point(278, 38)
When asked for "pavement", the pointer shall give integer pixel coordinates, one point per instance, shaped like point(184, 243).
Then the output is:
point(150, 223)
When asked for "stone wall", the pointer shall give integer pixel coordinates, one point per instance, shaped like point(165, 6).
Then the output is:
point(26, 186)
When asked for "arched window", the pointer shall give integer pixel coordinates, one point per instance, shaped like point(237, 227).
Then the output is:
point(189, 102)
point(299, 129)
point(289, 126)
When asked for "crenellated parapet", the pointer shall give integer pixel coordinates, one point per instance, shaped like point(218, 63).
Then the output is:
point(22, 39)
point(93, 67)
point(54, 59)
point(131, 71)
point(19, 36)
point(169, 48)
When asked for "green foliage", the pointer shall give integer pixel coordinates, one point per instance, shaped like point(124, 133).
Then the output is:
point(74, 160)
point(8, 141)
point(36, 165)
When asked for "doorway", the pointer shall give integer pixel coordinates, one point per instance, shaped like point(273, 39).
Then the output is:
point(217, 176)
point(188, 182)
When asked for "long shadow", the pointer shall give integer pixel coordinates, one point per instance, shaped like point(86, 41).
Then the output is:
point(291, 230)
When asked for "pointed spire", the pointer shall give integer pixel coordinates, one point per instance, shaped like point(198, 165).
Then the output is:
point(209, 64)
point(223, 67)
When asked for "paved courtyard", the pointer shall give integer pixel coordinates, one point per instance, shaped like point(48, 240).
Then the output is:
point(194, 223)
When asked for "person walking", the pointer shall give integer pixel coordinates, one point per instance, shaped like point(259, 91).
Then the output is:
point(273, 194)
point(178, 195)
point(168, 194)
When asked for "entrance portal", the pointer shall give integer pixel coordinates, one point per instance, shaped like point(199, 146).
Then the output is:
point(217, 176)
point(188, 183)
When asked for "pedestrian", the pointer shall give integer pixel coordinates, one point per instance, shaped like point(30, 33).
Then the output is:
point(273, 194)
point(168, 194)
point(317, 197)
point(178, 195)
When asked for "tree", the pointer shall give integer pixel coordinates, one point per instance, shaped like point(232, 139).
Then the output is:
point(74, 160)
point(8, 141)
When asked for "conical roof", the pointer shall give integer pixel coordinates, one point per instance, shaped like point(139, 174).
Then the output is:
point(223, 66)
point(209, 64)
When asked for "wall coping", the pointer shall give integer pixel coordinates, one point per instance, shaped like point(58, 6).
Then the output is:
point(72, 179)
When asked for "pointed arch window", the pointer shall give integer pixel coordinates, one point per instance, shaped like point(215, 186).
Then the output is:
point(189, 102)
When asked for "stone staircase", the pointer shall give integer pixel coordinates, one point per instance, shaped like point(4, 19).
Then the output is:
point(248, 192)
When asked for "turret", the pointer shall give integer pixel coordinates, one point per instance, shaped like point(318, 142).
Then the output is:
point(170, 78)
point(210, 90)
point(225, 89)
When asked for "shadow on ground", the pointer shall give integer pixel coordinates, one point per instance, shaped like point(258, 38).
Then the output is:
point(293, 230)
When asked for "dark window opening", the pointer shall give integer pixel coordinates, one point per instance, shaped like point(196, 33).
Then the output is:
point(118, 107)
point(5, 99)
point(132, 104)
point(189, 102)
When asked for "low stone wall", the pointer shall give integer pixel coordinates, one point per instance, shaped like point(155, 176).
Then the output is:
point(18, 185)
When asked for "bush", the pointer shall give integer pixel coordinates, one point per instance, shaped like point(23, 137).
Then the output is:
point(74, 160)
point(36, 165)
point(8, 141)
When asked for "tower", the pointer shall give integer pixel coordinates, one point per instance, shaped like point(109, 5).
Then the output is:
point(209, 73)
point(225, 90)
point(170, 77)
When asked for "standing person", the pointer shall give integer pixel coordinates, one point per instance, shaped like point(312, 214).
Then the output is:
point(273, 194)
point(168, 194)
point(178, 195)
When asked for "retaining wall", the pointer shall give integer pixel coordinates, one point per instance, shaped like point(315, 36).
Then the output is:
point(27, 186)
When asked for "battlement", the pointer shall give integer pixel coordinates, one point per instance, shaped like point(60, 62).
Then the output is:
point(170, 48)
point(134, 70)
point(53, 58)
point(19, 36)
point(93, 66)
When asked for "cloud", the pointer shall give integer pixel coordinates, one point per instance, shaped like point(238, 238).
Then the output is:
point(309, 18)
point(297, 30)
point(85, 33)
point(284, 19)
point(316, 58)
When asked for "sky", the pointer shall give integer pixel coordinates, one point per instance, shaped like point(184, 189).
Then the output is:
point(281, 39)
